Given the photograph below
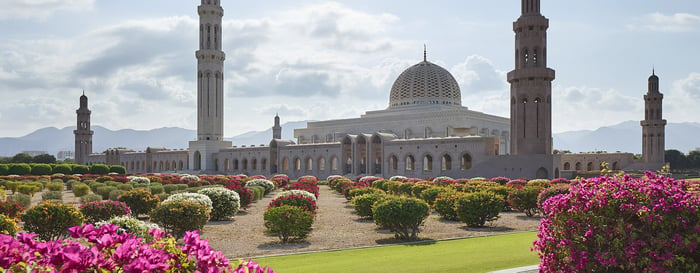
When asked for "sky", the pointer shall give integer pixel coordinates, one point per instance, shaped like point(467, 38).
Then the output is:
point(320, 60)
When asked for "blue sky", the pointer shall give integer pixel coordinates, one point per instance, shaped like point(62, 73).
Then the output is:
point(317, 60)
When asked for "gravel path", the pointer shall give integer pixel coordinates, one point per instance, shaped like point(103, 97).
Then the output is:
point(337, 226)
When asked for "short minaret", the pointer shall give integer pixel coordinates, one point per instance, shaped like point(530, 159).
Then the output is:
point(210, 89)
point(83, 134)
point(277, 129)
point(653, 125)
point(531, 84)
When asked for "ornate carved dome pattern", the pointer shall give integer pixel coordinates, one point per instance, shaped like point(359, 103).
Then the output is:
point(425, 83)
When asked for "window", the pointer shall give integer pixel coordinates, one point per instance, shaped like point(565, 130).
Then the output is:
point(466, 162)
point(427, 163)
point(410, 163)
point(321, 164)
point(446, 163)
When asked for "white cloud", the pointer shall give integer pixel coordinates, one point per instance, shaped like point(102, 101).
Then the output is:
point(582, 107)
point(478, 74)
point(681, 102)
point(40, 9)
point(677, 22)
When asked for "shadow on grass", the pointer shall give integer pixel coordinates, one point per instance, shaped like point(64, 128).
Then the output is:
point(487, 229)
point(419, 242)
point(280, 245)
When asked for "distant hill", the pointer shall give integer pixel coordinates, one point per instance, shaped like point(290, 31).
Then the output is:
point(627, 137)
point(624, 137)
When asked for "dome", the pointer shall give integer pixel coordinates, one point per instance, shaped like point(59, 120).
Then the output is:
point(425, 83)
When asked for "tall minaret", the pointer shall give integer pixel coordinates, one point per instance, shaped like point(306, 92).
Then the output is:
point(531, 84)
point(210, 89)
point(653, 126)
point(210, 68)
point(277, 129)
point(83, 134)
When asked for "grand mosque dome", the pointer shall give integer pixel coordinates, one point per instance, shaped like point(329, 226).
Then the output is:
point(425, 83)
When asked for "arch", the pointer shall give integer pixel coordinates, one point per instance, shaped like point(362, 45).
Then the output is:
point(589, 166)
point(542, 173)
point(245, 164)
point(556, 173)
point(254, 164)
point(334, 163)
point(235, 164)
point(446, 162)
point(361, 153)
point(427, 163)
point(525, 57)
point(181, 165)
point(297, 164)
point(309, 163)
point(161, 166)
point(465, 162)
point(173, 166)
point(393, 163)
point(263, 164)
point(578, 166)
point(567, 166)
point(376, 153)
point(615, 166)
point(216, 164)
point(321, 164)
point(227, 164)
point(285, 164)
point(410, 163)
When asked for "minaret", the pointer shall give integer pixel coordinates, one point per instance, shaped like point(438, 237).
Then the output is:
point(277, 129)
point(210, 89)
point(531, 84)
point(83, 134)
point(653, 126)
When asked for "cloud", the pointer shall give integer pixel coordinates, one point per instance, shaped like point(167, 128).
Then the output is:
point(680, 103)
point(677, 22)
point(40, 9)
point(478, 74)
point(592, 107)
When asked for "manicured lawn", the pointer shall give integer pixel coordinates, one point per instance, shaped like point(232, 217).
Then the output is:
point(481, 254)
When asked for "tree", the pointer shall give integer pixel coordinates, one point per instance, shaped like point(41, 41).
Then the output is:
point(694, 159)
point(22, 158)
point(676, 159)
point(44, 158)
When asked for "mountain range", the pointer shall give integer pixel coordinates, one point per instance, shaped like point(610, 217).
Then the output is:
point(624, 137)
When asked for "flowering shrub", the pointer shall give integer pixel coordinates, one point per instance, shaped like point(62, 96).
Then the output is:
point(397, 178)
point(363, 203)
point(104, 250)
point(225, 202)
point(418, 188)
point(245, 195)
point(500, 180)
point(543, 183)
point(550, 192)
point(103, 210)
point(80, 189)
point(190, 196)
point(446, 205)
point(280, 179)
point(369, 180)
point(296, 200)
point(180, 216)
point(11, 209)
point(8, 225)
point(443, 181)
point(139, 179)
point(517, 183)
point(266, 184)
point(402, 215)
point(621, 224)
point(140, 201)
point(360, 191)
point(525, 199)
point(296, 192)
point(475, 209)
point(288, 223)
point(429, 194)
point(310, 187)
point(128, 224)
point(51, 220)
point(558, 181)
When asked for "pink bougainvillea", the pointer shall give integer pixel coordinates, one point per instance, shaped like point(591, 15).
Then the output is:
point(621, 224)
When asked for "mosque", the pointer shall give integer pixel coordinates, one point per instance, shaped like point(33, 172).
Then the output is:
point(424, 132)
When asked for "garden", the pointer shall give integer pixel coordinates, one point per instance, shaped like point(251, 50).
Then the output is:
point(106, 219)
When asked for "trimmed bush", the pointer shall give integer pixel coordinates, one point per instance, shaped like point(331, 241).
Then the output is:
point(475, 209)
point(19, 169)
point(139, 179)
point(114, 195)
point(363, 203)
point(22, 199)
point(246, 195)
point(429, 194)
point(266, 184)
point(621, 224)
point(12, 186)
point(140, 201)
point(41, 169)
point(52, 195)
point(169, 188)
point(225, 203)
point(51, 220)
point(11, 209)
point(258, 192)
point(163, 196)
point(179, 216)
point(62, 168)
point(80, 190)
point(125, 187)
point(191, 196)
point(296, 192)
point(524, 199)
point(55, 186)
point(8, 225)
point(402, 215)
point(4, 169)
point(105, 190)
point(103, 210)
point(80, 169)
point(90, 198)
point(446, 205)
point(294, 200)
point(157, 189)
point(99, 169)
point(418, 188)
point(28, 189)
point(131, 225)
point(117, 169)
point(288, 223)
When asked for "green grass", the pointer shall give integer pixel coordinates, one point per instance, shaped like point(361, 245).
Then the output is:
point(480, 254)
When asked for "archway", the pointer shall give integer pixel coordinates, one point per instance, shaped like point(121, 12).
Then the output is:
point(542, 173)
